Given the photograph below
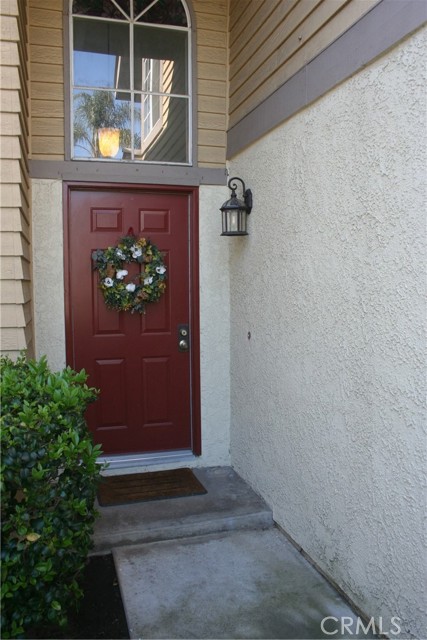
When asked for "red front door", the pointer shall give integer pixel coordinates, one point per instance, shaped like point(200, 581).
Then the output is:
point(147, 383)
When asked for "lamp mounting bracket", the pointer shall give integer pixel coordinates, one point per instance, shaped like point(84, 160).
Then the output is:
point(247, 193)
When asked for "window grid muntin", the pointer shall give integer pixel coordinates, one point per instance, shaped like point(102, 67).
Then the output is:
point(130, 16)
point(187, 96)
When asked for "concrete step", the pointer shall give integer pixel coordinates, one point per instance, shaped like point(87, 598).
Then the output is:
point(229, 505)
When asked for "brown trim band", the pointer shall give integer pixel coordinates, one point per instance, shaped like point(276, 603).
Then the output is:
point(382, 27)
point(126, 172)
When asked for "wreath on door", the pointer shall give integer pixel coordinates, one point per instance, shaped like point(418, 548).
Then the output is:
point(130, 295)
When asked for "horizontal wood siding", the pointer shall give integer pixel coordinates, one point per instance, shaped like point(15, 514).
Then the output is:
point(15, 253)
point(212, 75)
point(270, 40)
point(47, 79)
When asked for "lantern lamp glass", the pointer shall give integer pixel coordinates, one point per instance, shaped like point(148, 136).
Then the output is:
point(234, 222)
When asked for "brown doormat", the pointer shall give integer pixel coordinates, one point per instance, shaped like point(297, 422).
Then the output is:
point(156, 485)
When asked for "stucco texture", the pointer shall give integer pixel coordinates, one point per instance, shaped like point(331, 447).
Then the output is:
point(48, 275)
point(328, 394)
point(214, 329)
point(48, 271)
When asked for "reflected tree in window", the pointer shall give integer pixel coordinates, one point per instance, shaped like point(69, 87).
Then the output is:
point(100, 110)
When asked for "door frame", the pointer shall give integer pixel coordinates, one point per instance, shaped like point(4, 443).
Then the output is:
point(193, 199)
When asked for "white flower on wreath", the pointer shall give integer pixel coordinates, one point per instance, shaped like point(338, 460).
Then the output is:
point(108, 282)
point(120, 254)
point(121, 273)
point(136, 251)
point(130, 287)
point(161, 270)
point(148, 280)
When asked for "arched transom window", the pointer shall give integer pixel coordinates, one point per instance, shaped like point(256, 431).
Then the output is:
point(130, 72)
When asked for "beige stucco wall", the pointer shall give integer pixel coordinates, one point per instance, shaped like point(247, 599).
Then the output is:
point(48, 271)
point(214, 329)
point(214, 307)
point(328, 394)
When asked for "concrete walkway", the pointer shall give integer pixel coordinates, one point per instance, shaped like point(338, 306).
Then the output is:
point(240, 579)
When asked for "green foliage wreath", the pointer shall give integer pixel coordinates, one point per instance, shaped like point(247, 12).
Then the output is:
point(145, 287)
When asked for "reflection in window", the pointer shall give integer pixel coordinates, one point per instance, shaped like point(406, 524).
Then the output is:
point(160, 12)
point(131, 101)
point(151, 113)
point(118, 9)
point(99, 116)
point(101, 49)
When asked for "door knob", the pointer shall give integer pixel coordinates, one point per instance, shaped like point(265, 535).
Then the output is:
point(183, 345)
point(183, 337)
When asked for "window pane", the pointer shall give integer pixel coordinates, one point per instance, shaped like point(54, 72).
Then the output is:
point(167, 48)
point(163, 12)
point(101, 8)
point(101, 54)
point(161, 125)
point(94, 112)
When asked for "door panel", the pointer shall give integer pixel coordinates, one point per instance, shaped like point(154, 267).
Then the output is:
point(145, 382)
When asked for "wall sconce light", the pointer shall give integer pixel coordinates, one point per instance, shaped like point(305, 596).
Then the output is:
point(234, 211)
point(109, 141)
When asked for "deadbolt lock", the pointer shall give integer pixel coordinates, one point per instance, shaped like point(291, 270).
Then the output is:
point(183, 338)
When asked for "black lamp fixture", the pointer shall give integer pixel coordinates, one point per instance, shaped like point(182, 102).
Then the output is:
point(234, 211)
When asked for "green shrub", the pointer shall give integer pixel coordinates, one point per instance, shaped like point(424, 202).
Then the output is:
point(49, 478)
